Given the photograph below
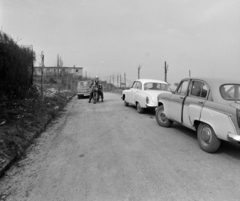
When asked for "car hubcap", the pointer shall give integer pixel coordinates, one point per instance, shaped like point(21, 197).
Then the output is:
point(162, 117)
point(206, 136)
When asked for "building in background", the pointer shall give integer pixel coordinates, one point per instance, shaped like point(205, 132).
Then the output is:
point(53, 70)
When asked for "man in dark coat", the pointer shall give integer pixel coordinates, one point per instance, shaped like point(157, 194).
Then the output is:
point(96, 83)
point(100, 91)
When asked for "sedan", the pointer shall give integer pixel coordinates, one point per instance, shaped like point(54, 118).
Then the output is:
point(143, 93)
point(210, 106)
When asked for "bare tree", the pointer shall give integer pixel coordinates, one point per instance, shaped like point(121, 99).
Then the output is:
point(165, 71)
point(139, 67)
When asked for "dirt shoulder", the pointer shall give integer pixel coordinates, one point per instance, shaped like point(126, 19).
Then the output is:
point(21, 121)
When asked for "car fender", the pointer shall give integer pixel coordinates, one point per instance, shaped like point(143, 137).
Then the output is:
point(140, 97)
point(126, 95)
point(164, 99)
point(219, 119)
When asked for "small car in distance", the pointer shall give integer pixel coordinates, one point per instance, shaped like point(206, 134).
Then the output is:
point(143, 93)
point(83, 88)
point(210, 106)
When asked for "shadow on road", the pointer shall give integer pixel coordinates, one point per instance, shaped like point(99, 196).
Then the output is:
point(230, 149)
point(227, 148)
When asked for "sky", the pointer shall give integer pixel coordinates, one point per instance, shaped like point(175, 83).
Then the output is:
point(113, 37)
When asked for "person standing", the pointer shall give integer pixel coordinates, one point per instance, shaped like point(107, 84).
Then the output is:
point(100, 91)
point(94, 83)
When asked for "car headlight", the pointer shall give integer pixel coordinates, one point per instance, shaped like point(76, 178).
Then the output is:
point(147, 100)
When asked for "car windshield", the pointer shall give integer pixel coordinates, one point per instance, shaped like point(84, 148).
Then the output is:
point(230, 91)
point(155, 86)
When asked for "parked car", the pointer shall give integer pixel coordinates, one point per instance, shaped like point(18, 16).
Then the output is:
point(143, 93)
point(83, 88)
point(209, 106)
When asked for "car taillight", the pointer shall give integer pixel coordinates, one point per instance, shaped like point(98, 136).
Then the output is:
point(147, 100)
point(238, 117)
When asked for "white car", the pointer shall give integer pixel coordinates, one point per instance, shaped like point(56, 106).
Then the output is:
point(210, 106)
point(144, 93)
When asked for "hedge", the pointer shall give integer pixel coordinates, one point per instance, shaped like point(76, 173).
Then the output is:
point(16, 64)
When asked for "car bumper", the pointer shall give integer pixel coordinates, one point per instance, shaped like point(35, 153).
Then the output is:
point(150, 106)
point(233, 138)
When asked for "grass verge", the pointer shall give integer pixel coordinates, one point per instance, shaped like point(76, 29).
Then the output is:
point(23, 120)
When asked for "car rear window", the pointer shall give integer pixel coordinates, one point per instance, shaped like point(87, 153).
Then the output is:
point(230, 91)
point(155, 86)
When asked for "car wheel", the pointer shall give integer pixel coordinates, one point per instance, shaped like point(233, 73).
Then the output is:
point(161, 117)
point(79, 97)
point(126, 103)
point(139, 108)
point(207, 138)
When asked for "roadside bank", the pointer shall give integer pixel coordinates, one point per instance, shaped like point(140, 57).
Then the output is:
point(21, 121)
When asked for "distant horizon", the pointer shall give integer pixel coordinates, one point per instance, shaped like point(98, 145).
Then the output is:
point(108, 37)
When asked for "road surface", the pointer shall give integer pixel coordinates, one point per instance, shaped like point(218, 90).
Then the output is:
point(110, 152)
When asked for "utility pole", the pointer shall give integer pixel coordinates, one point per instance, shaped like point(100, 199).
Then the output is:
point(189, 73)
point(67, 79)
point(165, 71)
point(120, 80)
point(117, 80)
point(42, 71)
point(139, 67)
point(58, 63)
point(125, 80)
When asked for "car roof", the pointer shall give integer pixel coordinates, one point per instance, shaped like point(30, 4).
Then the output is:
point(217, 80)
point(150, 80)
point(214, 84)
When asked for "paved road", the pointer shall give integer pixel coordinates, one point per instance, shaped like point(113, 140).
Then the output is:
point(110, 152)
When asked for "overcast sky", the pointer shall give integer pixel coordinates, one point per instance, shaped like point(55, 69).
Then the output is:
point(115, 36)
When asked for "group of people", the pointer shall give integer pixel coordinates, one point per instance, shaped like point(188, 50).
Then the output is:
point(100, 89)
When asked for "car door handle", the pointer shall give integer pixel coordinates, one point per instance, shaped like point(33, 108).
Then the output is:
point(181, 98)
point(201, 102)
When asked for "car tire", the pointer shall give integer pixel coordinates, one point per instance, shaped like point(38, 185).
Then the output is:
point(161, 118)
point(79, 97)
point(126, 103)
point(140, 110)
point(207, 138)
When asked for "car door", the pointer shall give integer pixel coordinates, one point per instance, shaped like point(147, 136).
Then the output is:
point(136, 91)
point(194, 102)
point(176, 102)
point(131, 93)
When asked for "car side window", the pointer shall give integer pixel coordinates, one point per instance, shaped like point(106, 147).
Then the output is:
point(134, 85)
point(183, 88)
point(139, 85)
point(204, 91)
point(199, 89)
